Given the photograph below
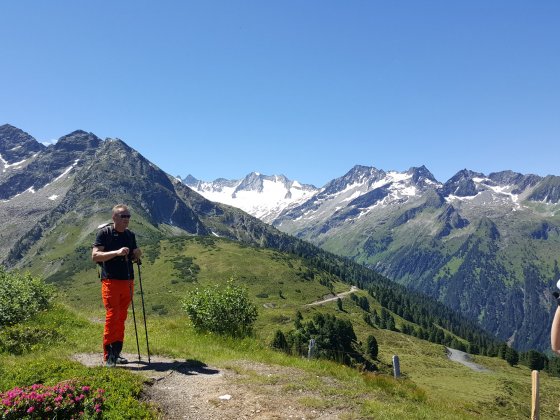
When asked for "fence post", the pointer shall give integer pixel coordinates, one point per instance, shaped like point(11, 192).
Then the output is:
point(535, 395)
point(396, 367)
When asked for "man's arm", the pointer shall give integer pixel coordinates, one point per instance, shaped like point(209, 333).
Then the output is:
point(555, 332)
point(98, 255)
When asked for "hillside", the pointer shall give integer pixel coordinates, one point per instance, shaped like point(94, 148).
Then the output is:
point(191, 242)
point(485, 245)
point(58, 245)
point(280, 284)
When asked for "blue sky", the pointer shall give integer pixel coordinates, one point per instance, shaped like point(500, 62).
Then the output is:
point(304, 88)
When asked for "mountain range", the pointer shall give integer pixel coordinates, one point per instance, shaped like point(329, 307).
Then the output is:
point(262, 196)
point(485, 245)
point(69, 188)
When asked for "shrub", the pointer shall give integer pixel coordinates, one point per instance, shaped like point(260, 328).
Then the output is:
point(224, 311)
point(159, 309)
point(19, 339)
point(62, 401)
point(21, 296)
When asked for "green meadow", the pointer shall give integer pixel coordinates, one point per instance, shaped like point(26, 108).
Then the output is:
point(431, 386)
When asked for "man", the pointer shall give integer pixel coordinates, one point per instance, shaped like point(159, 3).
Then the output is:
point(115, 250)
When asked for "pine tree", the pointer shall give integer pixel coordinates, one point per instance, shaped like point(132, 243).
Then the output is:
point(279, 341)
point(372, 348)
point(297, 321)
point(535, 360)
point(511, 356)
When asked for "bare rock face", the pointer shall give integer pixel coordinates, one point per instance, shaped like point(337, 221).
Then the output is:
point(44, 165)
point(77, 181)
point(16, 145)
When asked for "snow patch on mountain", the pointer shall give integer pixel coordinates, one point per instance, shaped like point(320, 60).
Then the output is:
point(451, 198)
point(361, 192)
point(15, 165)
point(486, 187)
point(260, 195)
point(66, 171)
point(29, 190)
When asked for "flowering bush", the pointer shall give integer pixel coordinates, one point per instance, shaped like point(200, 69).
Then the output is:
point(62, 401)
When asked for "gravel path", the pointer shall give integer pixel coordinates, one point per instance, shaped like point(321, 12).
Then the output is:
point(244, 390)
point(465, 359)
point(334, 297)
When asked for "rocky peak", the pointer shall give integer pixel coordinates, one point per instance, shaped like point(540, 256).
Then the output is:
point(190, 180)
point(421, 175)
point(252, 182)
point(547, 190)
point(522, 182)
point(462, 184)
point(68, 154)
point(118, 173)
point(78, 141)
point(17, 145)
point(357, 175)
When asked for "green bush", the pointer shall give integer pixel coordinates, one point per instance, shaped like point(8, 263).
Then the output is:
point(21, 296)
point(221, 310)
point(159, 309)
point(19, 339)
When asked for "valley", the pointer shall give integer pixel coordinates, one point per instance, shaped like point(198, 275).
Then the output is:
point(397, 224)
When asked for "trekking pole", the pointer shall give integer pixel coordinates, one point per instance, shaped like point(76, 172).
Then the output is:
point(133, 312)
point(139, 263)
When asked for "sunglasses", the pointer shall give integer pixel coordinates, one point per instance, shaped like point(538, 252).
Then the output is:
point(124, 216)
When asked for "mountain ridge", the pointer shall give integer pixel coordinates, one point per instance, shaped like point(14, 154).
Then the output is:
point(469, 242)
point(261, 195)
point(473, 242)
point(54, 240)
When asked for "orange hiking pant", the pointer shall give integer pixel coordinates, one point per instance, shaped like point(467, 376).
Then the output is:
point(116, 295)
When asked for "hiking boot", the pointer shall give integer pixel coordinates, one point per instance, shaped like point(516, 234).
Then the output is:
point(111, 361)
point(121, 360)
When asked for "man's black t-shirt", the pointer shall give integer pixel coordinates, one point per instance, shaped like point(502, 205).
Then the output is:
point(117, 268)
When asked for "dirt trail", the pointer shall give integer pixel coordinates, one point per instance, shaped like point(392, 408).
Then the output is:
point(244, 390)
point(465, 359)
point(334, 297)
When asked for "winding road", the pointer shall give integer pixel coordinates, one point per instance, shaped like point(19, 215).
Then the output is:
point(465, 359)
point(340, 295)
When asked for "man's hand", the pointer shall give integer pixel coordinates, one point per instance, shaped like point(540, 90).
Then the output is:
point(123, 252)
point(136, 254)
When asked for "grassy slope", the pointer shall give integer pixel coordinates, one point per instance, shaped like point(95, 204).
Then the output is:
point(434, 387)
